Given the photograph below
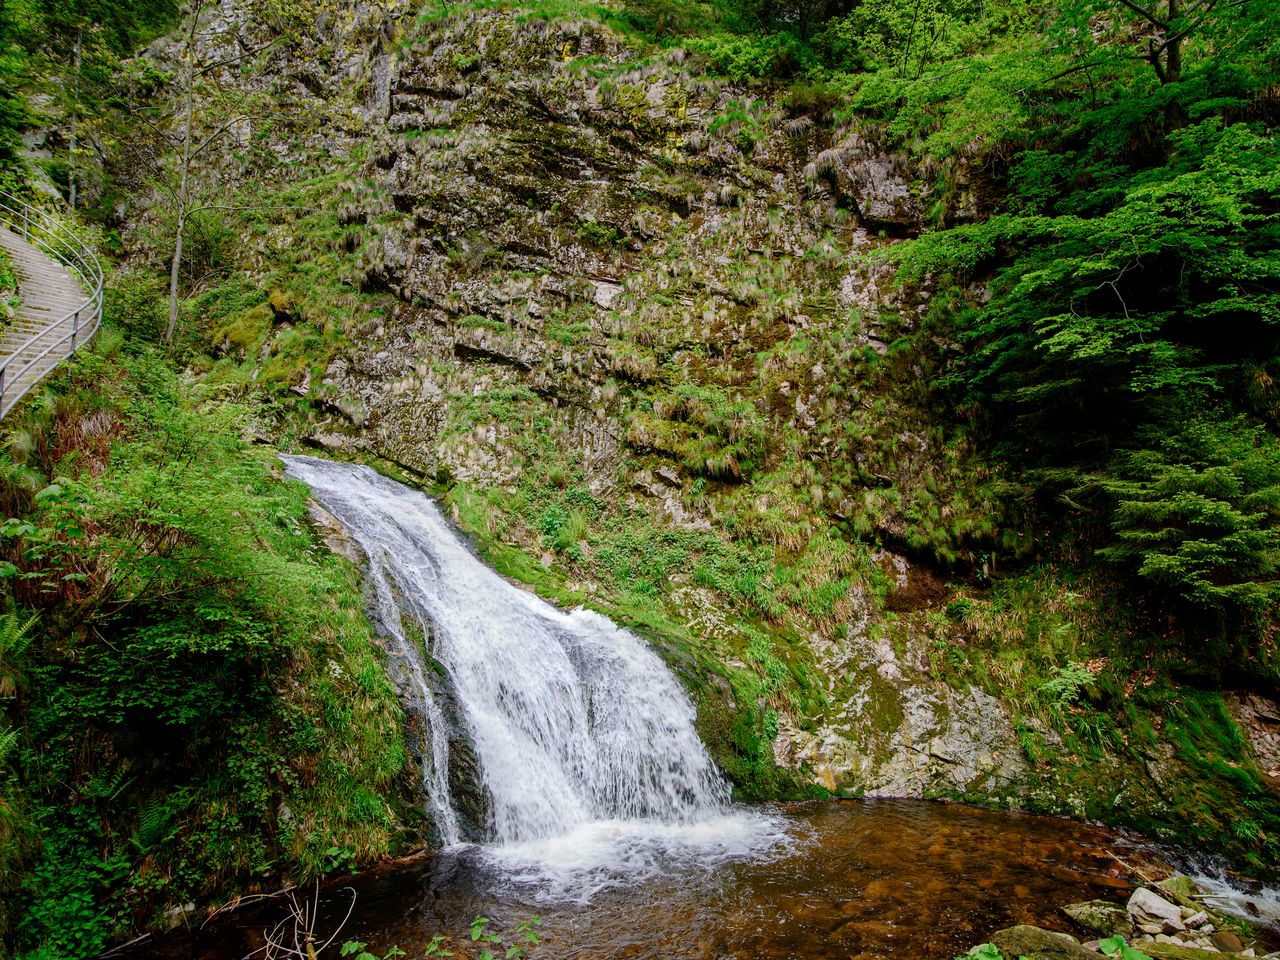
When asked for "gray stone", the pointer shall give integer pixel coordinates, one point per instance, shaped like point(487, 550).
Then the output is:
point(668, 475)
point(1152, 913)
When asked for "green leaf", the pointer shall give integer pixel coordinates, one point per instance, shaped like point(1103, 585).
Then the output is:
point(52, 491)
point(1111, 945)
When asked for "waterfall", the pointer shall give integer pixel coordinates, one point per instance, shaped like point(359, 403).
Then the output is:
point(583, 738)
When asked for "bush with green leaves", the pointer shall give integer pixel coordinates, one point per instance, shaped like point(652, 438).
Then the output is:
point(1124, 361)
point(10, 296)
point(201, 707)
point(1116, 947)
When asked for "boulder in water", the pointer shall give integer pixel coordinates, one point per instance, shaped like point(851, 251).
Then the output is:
point(1035, 943)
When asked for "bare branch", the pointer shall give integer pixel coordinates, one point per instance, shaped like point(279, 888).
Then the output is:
point(237, 208)
point(229, 60)
point(1145, 14)
point(217, 133)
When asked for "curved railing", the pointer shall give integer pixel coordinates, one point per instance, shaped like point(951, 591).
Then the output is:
point(46, 234)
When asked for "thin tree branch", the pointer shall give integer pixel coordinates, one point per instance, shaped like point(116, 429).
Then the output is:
point(1145, 14)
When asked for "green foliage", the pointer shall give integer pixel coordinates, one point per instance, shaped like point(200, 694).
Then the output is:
point(1198, 517)
point(1065, 687)
point(525, 938)
point(904, 38)
point(16, 827)
point(1125, 356)
point(38, 40)
point(9, 295)
point(358, 950)
point(746, 57)
point(1116, 947)
point(599, 234)
point(202, 704)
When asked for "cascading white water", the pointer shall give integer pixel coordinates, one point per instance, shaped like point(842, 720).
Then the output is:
point(585, 741)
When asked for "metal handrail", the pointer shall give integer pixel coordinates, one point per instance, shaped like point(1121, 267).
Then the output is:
point(49, 235)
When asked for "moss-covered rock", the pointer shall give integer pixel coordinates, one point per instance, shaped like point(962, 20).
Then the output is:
point(1035, 943)
point(1101, 917)
point(1171, 951)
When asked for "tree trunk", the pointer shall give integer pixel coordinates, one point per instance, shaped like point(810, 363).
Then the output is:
point(75, 118)
point(1173, 51)
point(1175, 115)
point(174, 303)
point(184, 180)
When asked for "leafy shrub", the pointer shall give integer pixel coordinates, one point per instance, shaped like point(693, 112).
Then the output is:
point(200, 667)
point(742, 58)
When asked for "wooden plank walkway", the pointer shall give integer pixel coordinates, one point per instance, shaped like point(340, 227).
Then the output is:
point(49, 293)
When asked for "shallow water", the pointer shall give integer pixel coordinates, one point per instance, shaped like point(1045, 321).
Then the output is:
point(853, 879)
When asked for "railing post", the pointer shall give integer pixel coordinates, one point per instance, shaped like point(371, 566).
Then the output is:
point(75, 329)
point(2, 369)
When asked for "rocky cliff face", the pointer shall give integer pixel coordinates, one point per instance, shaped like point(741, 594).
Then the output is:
point(581, 233)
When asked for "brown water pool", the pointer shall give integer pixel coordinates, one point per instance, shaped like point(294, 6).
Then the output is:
point(860, 880)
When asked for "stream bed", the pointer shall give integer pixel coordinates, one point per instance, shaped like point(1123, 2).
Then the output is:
point(848, 879)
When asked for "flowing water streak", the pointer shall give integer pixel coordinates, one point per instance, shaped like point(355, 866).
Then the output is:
point(585, 741)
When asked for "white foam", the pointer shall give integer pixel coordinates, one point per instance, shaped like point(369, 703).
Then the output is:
point(1260, 907)
point(605, 854)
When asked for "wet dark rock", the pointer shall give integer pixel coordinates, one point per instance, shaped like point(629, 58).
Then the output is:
point(470, 799)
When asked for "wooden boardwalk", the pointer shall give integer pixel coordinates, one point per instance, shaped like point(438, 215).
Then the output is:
point(46, 329)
